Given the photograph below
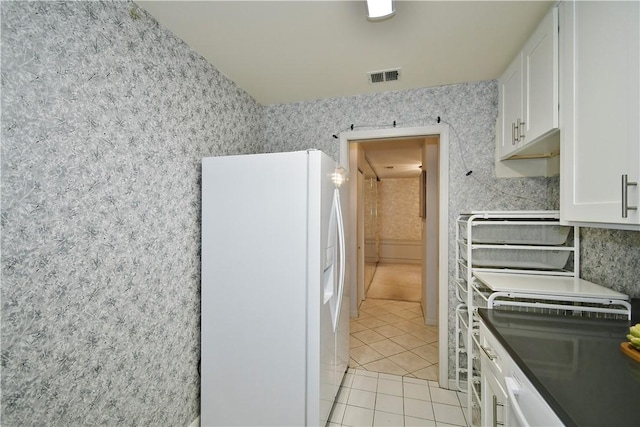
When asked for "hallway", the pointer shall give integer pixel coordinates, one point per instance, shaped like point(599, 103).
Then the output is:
point(390, 335)
point(399, 282)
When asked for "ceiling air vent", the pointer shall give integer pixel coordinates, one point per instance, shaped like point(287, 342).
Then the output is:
point(384, 76)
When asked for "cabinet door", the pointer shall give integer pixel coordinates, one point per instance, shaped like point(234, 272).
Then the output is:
point(599, 112)
point(494, 399)
point(510, 93)
point(540, 76)
point(494, 362)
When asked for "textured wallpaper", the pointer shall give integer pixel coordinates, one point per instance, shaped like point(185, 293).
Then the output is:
point(611, 258)
point(105, 118)
point(398, 209)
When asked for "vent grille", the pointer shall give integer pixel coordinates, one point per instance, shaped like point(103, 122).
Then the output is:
point(384, 76)
point(391, 75)
point(376, 77)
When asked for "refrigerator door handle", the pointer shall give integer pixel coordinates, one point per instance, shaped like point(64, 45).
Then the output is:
point(341, 248)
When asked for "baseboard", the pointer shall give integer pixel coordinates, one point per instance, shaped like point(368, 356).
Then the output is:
point(400, 261)
point(454, 386)
point(400, 251)
point(195, 423)
point(430, 322)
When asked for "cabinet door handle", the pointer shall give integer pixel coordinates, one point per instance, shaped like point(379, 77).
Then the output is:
point(520, 130)
point(495, 411)
point(489, 353)
point(513, 133)
point(625, 202)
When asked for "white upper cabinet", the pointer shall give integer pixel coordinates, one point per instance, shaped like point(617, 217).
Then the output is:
point(540, 67)
point(600, 114)
point(511, 107)
point(528, 96)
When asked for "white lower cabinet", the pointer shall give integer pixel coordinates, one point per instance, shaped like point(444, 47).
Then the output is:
point(493, 365)
point(600, 107)
point(494, 400)
point(508, 397)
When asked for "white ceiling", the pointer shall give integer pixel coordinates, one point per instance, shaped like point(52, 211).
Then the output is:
point(289, 51)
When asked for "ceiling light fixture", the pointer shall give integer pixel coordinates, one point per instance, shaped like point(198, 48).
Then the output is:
point(379, 9)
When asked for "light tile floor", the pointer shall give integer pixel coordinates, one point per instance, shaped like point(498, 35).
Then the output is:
point(377, 399)
point(390, 337)
point(401, 282)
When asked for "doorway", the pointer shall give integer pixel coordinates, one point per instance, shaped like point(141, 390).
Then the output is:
point(391, 217)
point(430, 251)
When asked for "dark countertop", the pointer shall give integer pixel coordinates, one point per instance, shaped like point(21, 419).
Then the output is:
point(575, 363)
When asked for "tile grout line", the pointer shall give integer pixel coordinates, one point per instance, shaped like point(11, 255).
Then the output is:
point(413, 336)
point(377, 318)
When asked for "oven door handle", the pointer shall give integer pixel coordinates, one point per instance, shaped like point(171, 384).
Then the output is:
point(513, 389)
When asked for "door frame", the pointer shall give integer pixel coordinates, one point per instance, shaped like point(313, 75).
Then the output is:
point(442, 130)
point(360, 239)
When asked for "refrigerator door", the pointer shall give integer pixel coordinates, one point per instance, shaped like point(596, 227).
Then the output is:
point(326, 276)
point(334, 275)
point(333, 281)
point(342, 324)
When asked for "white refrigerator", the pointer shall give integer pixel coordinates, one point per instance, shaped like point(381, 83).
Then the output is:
point(275, 308)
